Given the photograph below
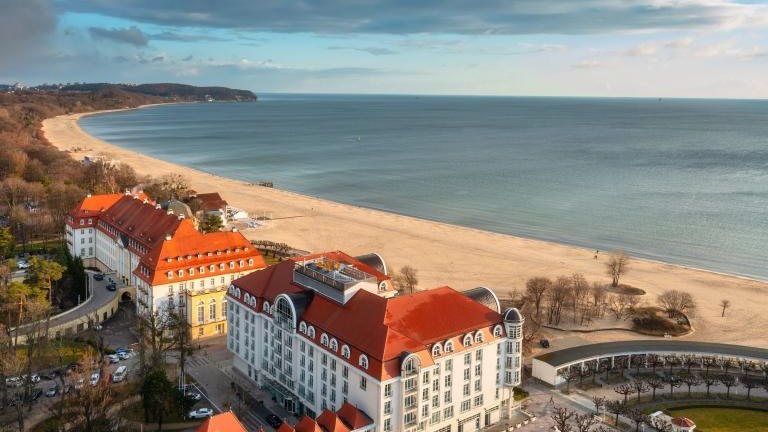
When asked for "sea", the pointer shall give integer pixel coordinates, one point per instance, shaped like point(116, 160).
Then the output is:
point(683, 181)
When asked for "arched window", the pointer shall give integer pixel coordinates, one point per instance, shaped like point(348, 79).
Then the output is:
point(410, 366)
point(497, 331)
point(303, 327)
point(201, 311)
point(437, 350)
point(448, 346)
point(311, 332)
point(212, 310)
point(363, 361)
point(334, 345)
point(266, 306)
point(284, 312)
point(467, 340)
point(479, 336)
point(345, 351)
point(324, 339)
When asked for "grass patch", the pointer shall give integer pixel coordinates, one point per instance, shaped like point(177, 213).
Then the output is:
point(54, 355)
point(717, 419)
point(655, 322)
point(271, 260)
point(520, 394)
point(625, 289)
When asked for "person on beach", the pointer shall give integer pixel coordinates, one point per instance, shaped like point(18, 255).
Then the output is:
point(597, 251)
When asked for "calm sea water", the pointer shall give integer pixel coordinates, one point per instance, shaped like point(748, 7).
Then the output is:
point(683, 181)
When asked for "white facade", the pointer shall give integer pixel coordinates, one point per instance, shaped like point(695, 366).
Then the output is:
point(465, 388)
point(81, 238)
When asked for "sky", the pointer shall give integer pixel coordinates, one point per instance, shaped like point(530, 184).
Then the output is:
point(635, 48)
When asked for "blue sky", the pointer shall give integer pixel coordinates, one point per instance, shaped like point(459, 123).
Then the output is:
point(687, 48)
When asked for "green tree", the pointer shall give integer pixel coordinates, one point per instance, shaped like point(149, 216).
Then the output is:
point(158, 397)
point(211, 223)
point(7, 243)
point(44, 272)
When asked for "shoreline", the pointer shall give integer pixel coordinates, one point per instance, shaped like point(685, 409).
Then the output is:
point(444, 254)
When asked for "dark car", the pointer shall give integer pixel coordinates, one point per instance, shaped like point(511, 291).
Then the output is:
point(274, 421)
point(112, 287)
point(544, 343)
point(36, 393)
point(98, 277)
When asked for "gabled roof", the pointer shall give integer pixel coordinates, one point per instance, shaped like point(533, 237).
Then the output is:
point(683, 422)
point(308, 424)
point(329, 421)
point(224, 422)
point(94, 204)
point(141, 220)
point(353, 417)
point(211, 201)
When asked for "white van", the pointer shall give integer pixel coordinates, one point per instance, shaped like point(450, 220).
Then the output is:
point(119, 374)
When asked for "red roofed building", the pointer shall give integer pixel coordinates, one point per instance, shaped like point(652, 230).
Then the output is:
point(170, 264)
point(224, 422)
point(326, 332)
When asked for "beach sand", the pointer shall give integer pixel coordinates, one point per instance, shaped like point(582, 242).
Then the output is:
point(445, 254)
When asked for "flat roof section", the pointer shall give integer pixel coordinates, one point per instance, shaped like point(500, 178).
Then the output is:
point(570, 355)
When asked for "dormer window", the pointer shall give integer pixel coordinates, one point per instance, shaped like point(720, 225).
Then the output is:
point(266, 307)
point(302, 327)
point(209, 254)
point(201, 269)
point(324, 339)
point(170, 275)
point(242, 263)
point(448, 346)
point(178, 258)
point(82, 221)
point(191, 272)
point(345, 351)
point(467, 340)
point(363, 361)
point(250, 262)
point(311, 332)
point(180, 273)
point(479, 336)
point(334, 345)
point(222, 266)
point(497, 331)
point(211, 268)
point(437, 350)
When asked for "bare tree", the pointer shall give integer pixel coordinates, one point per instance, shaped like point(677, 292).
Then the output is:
point(749, 384)
point(579, 297)
point(597, 295)
point(690, 380)
point(584, 422)
point(728, 381)
point(637, 417)
point(673, 383)
point(655, 383)
point(676, 302)
point(599, 402)
point(568, 375)
point(616, 266)
point(617, 408)
point(725, 364)
point(622, 305)
point(561, 415)
point(655, 361)
point(406, 279)
point(535, 289)
point(624, 390)
point(640, 388)
point(708, 381)
point(556, 297)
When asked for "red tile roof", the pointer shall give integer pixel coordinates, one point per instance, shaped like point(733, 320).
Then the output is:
point(331, 422)
point(378, 327)
point(308, 424)
point(212, 201)
point(141, 220)
point(285, 427)
point(224, 422)
point(683, 422)
point(94, 204)
point(353, 417)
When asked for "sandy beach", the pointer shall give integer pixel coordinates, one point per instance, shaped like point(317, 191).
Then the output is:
point(445, 254)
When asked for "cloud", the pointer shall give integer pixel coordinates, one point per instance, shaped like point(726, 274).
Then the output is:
point(185, 37)
point(642, 50)
point(432, 16)
point(24, 26)
point(589, 64)
point(129, 35)
point(377, 51)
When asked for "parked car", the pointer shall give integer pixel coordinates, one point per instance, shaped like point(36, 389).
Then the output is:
point(13, 382)
point(95, 377)
point(113, 358)
point(98, 277)
point(200, 413)
point(124, 355)
point(274, 421)
point(22, 265)
point(112, 286)
point(36, 393)
point(118, 350)
point(194, 396)
point(544, 343)
point(52, 391)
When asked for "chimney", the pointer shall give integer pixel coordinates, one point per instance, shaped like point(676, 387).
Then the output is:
point(157, 207)
point(89, 195)
point(168, 237)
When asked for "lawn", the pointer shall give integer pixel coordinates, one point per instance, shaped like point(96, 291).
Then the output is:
point(725, 419)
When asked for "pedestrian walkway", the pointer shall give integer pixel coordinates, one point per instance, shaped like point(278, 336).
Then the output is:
point(196, 362)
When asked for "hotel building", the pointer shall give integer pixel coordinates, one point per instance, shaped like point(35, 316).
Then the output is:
point(326, 334)
point(170, 264)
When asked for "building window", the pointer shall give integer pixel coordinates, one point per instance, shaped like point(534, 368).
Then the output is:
point(201, 311)
point(250, 262)
point(449, 346)
point(363, 383)
point(465, 405)
point(303, 327)
point(345, 351)
point(467, 340)
point(363, 361)
point(284, 312)
point(311, 332)
point(448, 413)
point(436, 350)
point(387, 425)
point(387, 390)
point(467, 358)
point(200, 331)
point(180, 273)
point(324, 339)
point(212, 310)
point(334, 345)
point(170, 275)
point(479, 355)
point(224, 308)
point(497, 331)
point(211, 268)
point(479, 336)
